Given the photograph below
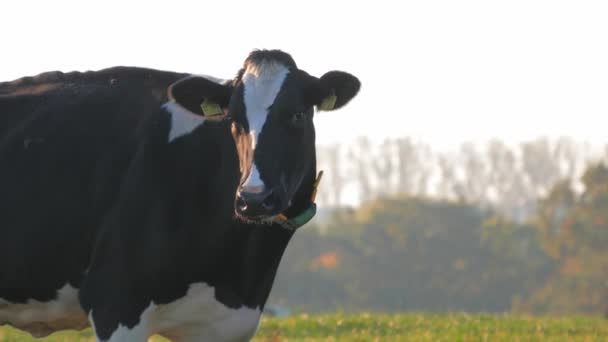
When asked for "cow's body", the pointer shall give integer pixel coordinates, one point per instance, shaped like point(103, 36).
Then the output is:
point(117, 210)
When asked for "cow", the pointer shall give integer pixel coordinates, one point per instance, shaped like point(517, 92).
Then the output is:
point(140, 201)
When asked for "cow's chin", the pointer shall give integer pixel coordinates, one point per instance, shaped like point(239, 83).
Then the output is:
point(261, 220)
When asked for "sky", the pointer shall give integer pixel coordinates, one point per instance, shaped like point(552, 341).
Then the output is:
point(441, 72)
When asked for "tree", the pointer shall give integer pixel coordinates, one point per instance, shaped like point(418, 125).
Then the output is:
point(409, 253)
point(331, 162)
point(474, 186)
point(506, 181)
point(359, 156)
point(539, 165)
point(575, 233)
point(414, 166)
point(383, 166)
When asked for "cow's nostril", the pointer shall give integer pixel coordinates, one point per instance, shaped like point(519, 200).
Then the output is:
point(241, 204)
point(268, 202)
point(256, 204)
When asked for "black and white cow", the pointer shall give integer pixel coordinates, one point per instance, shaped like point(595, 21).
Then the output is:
point(147, 202)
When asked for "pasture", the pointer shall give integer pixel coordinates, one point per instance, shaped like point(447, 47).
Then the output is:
point(398, 327)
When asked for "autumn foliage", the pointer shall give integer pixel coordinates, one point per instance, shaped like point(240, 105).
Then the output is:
point(415, 253)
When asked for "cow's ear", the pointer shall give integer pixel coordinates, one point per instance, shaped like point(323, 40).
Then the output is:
point(201, 96)
point(336, 88)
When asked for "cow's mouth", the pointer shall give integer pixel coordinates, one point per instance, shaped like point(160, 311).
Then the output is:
point(262, 206)
point(260, 219)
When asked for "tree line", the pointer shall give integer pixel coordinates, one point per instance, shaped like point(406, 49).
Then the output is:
point(459, 247)
point(509, 178)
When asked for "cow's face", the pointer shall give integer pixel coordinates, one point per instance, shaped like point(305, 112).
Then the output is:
point(270, 106)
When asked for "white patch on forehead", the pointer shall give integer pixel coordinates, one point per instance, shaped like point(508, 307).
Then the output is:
point(182, 120)
point(254, 181)
point(262, 83)
point(43, 318)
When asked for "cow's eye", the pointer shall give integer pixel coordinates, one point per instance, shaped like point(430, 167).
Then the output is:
point(298, 119)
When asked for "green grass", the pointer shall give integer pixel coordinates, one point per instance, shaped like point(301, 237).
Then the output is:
point(402, 327)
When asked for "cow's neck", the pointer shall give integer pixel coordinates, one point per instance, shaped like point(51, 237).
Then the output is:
point(244, 257)
point(254, 264)
point(255, 252)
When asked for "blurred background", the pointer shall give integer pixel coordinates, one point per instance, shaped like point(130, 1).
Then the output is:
point(470, 174)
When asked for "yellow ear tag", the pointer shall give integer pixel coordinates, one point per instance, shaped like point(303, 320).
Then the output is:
point(210, 108)
point(328, 103)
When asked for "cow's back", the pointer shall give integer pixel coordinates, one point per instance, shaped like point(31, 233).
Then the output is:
point(66, 141)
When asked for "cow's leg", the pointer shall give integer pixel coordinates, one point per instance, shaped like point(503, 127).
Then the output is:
point(223, 325)
point(118, 310)
point(109, 329)
point(116, 291)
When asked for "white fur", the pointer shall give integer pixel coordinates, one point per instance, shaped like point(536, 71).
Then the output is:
point(42, 318)
point(197, 316)
point(139, 333)
point(253, 181)
point(183, 121)
point(262, 84)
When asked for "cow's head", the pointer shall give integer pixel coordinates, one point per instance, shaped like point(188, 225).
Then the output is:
point(270, 106)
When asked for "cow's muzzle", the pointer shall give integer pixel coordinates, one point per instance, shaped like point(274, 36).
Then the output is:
point(258, 202)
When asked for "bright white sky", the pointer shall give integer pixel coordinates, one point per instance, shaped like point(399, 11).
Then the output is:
point(439, 71)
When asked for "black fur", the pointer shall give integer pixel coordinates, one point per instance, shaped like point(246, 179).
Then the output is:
point(92, 194)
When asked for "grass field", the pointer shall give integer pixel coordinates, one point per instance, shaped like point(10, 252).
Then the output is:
point(404, 327)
